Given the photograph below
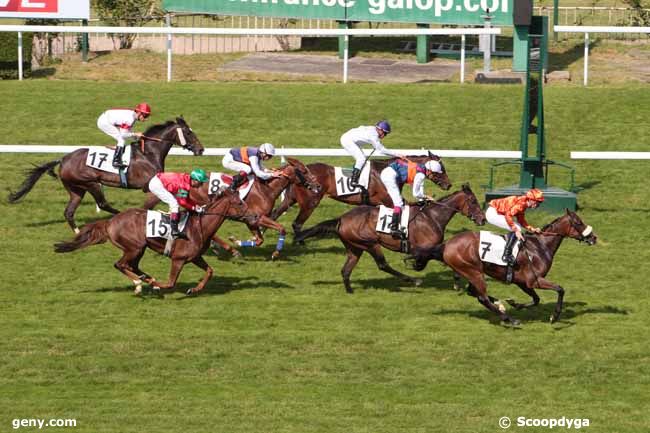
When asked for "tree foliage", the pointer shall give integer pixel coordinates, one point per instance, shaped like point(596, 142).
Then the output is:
point(131, 13)
point(641, 16)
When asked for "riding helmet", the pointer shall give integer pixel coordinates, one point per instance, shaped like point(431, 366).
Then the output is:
point(384, 126)
point(199, 175)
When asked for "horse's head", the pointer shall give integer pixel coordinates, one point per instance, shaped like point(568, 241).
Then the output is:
point(186, 138)
point(570, 225)
point(299, 174)
point(441, 179)
point(470, 207)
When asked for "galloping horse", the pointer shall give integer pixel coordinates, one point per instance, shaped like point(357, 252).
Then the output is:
point(324, 175)
point(260, 200)
point(127, 231)
point(147, 159)
point(357, 230)
point(461, 253)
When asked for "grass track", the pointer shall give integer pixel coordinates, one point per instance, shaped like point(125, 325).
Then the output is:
point(279, 347)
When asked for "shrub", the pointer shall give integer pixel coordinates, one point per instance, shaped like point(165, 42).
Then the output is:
point(9, 55)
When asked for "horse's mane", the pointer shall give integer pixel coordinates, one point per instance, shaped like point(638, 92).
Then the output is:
point(553, 222)
point(156, 129)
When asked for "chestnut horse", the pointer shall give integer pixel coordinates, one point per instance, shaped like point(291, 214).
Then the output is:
point(260, 200)
point(324, 174)
point(357, 230)
point(147, 159)
point(127, 231)
point(461, 253)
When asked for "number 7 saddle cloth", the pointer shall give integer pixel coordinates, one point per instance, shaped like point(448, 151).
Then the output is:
point(491, 246)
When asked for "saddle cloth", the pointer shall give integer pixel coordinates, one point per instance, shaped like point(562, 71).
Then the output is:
point(220, 180)
point(491, 246)
point(386, 215)
point(158, 224)
point(101, 158)
point(342, 178)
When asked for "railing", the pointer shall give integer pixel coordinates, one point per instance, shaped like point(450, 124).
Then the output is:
point(596, 29)
point(170, 31)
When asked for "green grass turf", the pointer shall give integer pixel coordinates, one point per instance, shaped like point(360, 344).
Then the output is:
point(280, 347)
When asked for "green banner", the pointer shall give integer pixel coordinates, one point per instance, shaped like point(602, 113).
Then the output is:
point(461, 12)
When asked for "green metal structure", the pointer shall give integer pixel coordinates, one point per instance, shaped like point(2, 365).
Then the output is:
point(533, 164)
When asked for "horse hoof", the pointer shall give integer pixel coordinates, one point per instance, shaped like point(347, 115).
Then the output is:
point(156, 292)
point(417, 282)
point(236, 254)
point(275, 255)
point(554, 318)
point(189, 292)
point(500, 306)
point(138, 290)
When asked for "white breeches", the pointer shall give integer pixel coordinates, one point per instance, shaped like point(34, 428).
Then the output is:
point(112, 130)
point(388, 177)
point(351, 147)
point(157, 187)
point(230, 163)
point(498, 220)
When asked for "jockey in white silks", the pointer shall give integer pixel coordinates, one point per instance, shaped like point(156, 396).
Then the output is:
point(118, 123)
point(355, 138)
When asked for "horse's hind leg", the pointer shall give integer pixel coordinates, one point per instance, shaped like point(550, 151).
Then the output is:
point(382, 264)
point(95, 190)
point(128, 265)
point(201, 263)
point(530, 292)
point(354, 254)
point(479, 287)
point(76, 195)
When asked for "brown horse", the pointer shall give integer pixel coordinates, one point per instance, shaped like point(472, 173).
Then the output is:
point(357, 230)
point(461, 253)
point(127, 231)
point(324, 173)
point(260, 200)
point(147, 159)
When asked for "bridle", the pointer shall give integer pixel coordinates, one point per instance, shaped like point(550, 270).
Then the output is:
point(582, 235)
point(180, 135)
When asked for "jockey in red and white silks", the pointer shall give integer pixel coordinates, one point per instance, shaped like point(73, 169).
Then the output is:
point(118, 123)
point(247, 160)
point(354, 139)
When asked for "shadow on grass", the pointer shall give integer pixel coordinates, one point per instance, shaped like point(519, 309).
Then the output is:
point(560, 61)
point(43, 72)
point(540, 313)
point(218, 285)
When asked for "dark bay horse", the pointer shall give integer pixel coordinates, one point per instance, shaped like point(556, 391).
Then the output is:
point(324, 174)
point(461, 253)
point(357, 230)
point(147, 159)
point(127, 231)
point(260, 200)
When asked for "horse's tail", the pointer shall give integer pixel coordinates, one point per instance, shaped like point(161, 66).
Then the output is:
point(90, 234)
point(33, 176)
point(420, 257)
point(321, 230)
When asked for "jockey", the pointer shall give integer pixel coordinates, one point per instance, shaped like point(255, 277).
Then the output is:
point(396, 175)
point(174, 189)
point(357, 137)
point(502, 211)
point(245, 160)
point(117, 122)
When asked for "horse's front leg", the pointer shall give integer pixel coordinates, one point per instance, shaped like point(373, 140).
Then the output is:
point(225, 245)
point(531, 292)
point(201, 263)
point(267, 222)
point(544, 284)
point(174, 272)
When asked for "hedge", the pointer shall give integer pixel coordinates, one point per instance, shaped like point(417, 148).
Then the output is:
point(9, 55)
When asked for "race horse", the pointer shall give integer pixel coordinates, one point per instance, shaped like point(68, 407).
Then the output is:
point(324, 174)
point(461, 253)
point(260, 200)
point(127, 231)
point(357, 231)
point(147, 159)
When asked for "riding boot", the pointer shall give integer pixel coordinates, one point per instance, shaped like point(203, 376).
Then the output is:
point(507, 251)
point(395, 231)
point(173, 222)
point(117, 157)
point(354, 179)
point(237, 180)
